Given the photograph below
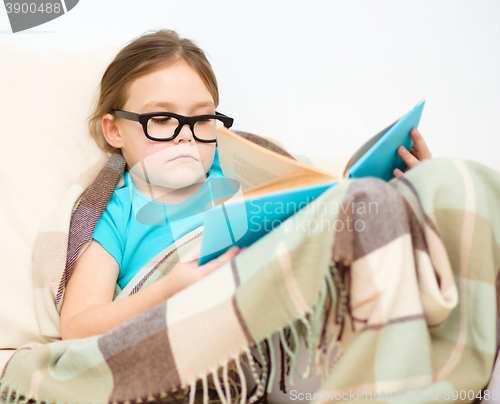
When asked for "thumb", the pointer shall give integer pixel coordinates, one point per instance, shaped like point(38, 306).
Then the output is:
point(222, 259)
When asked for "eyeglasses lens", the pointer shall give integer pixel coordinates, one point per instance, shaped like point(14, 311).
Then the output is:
point(163, 127)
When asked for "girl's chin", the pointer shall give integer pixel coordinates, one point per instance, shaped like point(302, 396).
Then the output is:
point(178, 181)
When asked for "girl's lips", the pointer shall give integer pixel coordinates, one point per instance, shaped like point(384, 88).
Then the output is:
point(183, 158)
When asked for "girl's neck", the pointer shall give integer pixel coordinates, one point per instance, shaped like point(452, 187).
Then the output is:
point(161, 194)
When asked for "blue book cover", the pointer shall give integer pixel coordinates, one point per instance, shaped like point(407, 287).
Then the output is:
point(378, 157)
point(245, 220)
point(281, 188)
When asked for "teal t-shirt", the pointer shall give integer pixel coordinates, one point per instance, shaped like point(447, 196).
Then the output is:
point(134, 228)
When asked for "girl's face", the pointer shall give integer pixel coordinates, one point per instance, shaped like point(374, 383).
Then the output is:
point(176, 88)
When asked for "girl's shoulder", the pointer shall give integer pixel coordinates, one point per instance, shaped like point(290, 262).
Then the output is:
point(111, 227)
point(120, 201)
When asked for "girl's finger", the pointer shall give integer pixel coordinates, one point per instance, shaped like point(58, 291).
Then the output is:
point(409, 159)
point(397, 172)
point(419, 146)
point(221, 259)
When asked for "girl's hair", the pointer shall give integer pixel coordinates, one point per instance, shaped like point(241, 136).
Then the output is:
point(144, 55)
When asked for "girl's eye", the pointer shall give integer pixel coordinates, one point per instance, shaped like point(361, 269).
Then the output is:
point(160, 119)
point(203, 121)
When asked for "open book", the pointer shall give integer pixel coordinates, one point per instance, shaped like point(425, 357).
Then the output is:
point(267, 187)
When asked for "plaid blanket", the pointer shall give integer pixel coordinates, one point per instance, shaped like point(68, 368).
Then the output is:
point(392, 286)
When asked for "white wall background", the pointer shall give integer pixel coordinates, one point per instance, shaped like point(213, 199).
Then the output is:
point(324, 75)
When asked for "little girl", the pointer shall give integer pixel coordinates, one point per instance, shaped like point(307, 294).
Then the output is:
point(157, 104)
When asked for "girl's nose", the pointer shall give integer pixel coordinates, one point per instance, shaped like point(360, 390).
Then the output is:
point(185, 134)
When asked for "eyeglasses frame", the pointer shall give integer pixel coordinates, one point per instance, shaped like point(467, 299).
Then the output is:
point(183, 120)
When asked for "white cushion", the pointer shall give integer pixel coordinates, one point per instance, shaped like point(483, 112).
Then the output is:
point(44, 102)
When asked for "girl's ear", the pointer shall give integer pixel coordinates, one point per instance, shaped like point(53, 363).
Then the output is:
point(111, 131)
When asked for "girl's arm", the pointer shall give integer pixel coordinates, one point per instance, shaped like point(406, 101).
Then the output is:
point(88, 307)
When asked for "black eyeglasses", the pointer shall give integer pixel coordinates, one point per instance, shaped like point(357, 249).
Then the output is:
point(165, 126)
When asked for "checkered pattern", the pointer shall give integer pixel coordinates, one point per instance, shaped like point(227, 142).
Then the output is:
point(392, 285)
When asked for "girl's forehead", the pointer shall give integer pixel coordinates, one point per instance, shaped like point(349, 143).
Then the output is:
point(177, 83)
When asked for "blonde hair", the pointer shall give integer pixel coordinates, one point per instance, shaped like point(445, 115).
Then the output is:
point(144, 55)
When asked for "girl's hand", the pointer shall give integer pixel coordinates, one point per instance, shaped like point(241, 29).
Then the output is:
point(418, 152)
point(88, 306)
point(186, 273)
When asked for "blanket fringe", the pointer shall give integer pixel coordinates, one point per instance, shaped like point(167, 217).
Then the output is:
point(272, 364)
point(9, 395)
point(18, 397)
point(3, 386)
point(319, 311)
point(342, 282)
point(316, 325)
point(192, 392)
point(310, 346)
point(324, 327)
point(218, 388)
point(243, 394)
point(291, 355)
point(225, 379)
point(259, 387)
point(262, 388)
point(296, 346)
point(329, 298)
point(205, 389)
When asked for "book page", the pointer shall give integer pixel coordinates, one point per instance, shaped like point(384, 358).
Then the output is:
point(248, 173)
point(253, 165)
point(294, 179)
